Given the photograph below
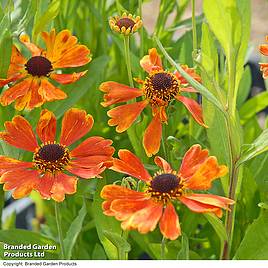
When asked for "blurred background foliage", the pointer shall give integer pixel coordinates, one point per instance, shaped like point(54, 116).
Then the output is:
point(88, 233)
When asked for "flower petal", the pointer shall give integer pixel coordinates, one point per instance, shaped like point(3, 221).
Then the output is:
point(46, 126)
point(146, 219)
point(16, 91)
point(152, 136)
point(192, 160)
point(163, 164)
point(189, 89)
point(169, 223)
point(19, 133)
point(190, 71)
point(131, 165)
point(194, 108)
point(35, 50)
point(114, 192)
point(124, 116)
point(198, 207)
point(86, 172)
point(205, 174)
point(49, 92)
point(45, 184)
point(264, 49)
point(152, 61)
point(62, 185)
point(116, 93)
point(8, 164)
point(67, 78)
point(22, 181)
point(75, 124)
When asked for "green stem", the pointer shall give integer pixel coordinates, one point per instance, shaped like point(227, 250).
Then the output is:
point(163, 141)
point(58, 221)
point(128, 61)
point(194, 30)
point(163, 247)
point(2, 202)
point(141, 31)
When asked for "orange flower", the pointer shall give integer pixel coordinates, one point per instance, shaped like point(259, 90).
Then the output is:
point(126, 24)
point(143, 210)
point(52, 161)
point(158, 89)
point(264, 66)
point(32, 87)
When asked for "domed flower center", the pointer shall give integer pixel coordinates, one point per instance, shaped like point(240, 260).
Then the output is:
point(160, 88)
point(125, 22)
point(38, 66)
point(164, 187)
point(51, 157)
point(165, 183)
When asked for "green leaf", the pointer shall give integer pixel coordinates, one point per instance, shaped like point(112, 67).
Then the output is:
point(18, 236)
point(260, 145)
point(98, 253)
point(254, 245)
point(244, 87)
point(253, 106)
point(183, 254)
point(74, 231)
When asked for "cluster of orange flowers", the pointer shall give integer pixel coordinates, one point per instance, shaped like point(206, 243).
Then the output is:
point(55, 168)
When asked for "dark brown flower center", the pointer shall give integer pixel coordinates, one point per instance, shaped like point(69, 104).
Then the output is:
point(160, 88)
point(51, 157)
point(125, 22)
point(165, 183)
point(38, 66)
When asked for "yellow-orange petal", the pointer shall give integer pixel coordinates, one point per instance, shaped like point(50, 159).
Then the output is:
point(35, 50)
point(192, 160)
point(163, 164)
point(123, 116)
point(67, 78)
point(264, 49)
point(63, 184)
point(152, 61)
point(116, 93)
point(130, 164)
point(46, 126)
point(194, 108)
point(16, 91)
point(19, 133)
point(49, 92)
point(45, 184)
point(22, 181)
point(75, 124)
point(146, 219)
point(93, 146)
point(191, 72)
point(152, 136)
point(8, 164)
point(205, 174)
point(114, 192)
point(169, 223)
point(106, 208)
point(17, 62)
point(198, 207)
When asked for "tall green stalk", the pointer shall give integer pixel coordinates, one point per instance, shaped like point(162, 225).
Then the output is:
point(2, 202)
point(58, 222)
point(128, 61)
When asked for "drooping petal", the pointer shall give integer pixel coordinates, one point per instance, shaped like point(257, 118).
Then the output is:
point(131, 165)
point(45, 185)
point(116, 93)
point(17, 62)
point(152, 136)
point(124, 116)
point(146, 219)
point(67, 78)
point(198, 207)
point(22, 181)
point(188, 89)
point(19, 133)
point(106, 208)
point(93, 146)
point(63, 184)
point(205, 174)
point(192, 160)
point(75, 124)
point(46, 126)
point(163, 164)
point(63, 50)
point(190, 71)
point(264, 49)
point(8, 164)
point(169, 223)
point(114, 192)
point(35, 50)
point(49, 92)
point(194, 108)
point(152, 61)
point(16, 91)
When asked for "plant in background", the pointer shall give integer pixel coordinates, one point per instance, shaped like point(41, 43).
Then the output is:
point(32, 87)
